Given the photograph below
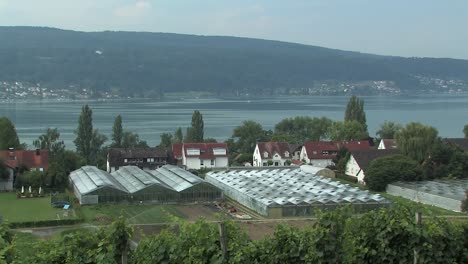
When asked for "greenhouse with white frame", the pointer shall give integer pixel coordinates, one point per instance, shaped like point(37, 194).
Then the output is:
point(168, 184)
point(291, 191)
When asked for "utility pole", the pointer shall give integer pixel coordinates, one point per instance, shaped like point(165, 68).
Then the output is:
point(418, 224)
point(223, 240)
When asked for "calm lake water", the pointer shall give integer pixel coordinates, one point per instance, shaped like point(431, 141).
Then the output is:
point(448, 113)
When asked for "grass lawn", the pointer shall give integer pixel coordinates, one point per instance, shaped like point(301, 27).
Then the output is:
point(135, 214)
point(27, 209)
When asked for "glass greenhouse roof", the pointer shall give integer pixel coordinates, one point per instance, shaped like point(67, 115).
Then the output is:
point(288, 186)
point(454, 189)
point(89, 178)
point(132, 179)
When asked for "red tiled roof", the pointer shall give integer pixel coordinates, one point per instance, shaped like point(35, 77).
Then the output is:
point(29, 158)
point(462, 143)
point(177, 150)
point(328, 149)
point(206, 149)
point(321, 149)
point(297, 162)
point(274, 147)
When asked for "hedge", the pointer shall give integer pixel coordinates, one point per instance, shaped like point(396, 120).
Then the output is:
point(46, 223)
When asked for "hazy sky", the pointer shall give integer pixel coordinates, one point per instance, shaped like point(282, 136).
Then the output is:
point(423, 28)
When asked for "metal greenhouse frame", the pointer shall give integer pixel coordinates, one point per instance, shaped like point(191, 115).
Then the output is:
point(284, 192)
point(168, 184)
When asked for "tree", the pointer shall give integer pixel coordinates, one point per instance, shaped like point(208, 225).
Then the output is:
point(303, 128)
point(178, 136)
point(385, 170)
point(388, 130)
point(445, 160)
point(50, 141)
point(247, 135)
point(166, 140)
point(416, 140)
point(84, 133)
point(8, 136)
point(4, 173)
point(355, 112)
point(348, 130)
point(196, 131)
point(465, 131)
point(132, 140)
point(117, 132)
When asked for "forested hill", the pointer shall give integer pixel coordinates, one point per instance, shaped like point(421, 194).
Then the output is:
point(137, 63)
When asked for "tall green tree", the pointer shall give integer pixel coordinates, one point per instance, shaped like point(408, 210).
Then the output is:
point(196, 131)
point(178, 136)
point(465, 131)
point(246, 136)
point(117, 132)
point(84, 133)
point(355, 111)
point(50, 141)
point(8, 136)
point(348, 130)
point(88, 141)
point(166, 140)
point(388, 130)
point(416, 140)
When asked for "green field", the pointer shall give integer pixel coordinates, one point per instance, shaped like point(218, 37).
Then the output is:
point(27, 209)
point(135, 214)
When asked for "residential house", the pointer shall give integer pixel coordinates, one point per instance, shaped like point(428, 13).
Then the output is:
point(360, 159)
point(322, 153)
point(461, 143)
point(200, 155)
point(319, 153)
point(275, 153)
point(388, 144)
point(33, 160)
point(144, 158)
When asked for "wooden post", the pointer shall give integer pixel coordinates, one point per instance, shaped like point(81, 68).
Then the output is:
point(418, 223)
point(223, 240)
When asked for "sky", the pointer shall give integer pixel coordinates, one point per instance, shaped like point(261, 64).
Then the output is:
point(411, 28)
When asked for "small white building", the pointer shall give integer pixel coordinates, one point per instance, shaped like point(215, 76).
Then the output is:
point(275, 153)
point(201, 155)
point(360, 160)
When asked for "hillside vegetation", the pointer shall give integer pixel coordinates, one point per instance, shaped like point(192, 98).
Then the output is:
point(138, 63)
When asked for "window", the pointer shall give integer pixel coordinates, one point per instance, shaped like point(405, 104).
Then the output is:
point(125, 160)
point(286, 154)
point(219, 151)
point(193, 151)
point(265, 154)
point(265, 164)
point(150, 160)
point(212, 162)
point(201, 162)
point(314, 152)
point(276, 164)
point(41, 169)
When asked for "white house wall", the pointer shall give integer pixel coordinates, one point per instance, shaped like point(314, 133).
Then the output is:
point(353, 169)
point(322, 163)
point(303, 155)
point(381, 145)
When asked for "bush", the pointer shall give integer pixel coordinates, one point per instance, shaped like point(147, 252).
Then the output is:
point(385, 170)
point(46, 223)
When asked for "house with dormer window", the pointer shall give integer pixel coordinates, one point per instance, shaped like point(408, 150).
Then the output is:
point(200, 155)
point(274, 154)
point(322, 153)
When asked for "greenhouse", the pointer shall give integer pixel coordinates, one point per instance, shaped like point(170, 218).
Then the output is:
point(447, 194)
point(92, 185)
point(168, 184)
point(292, 191)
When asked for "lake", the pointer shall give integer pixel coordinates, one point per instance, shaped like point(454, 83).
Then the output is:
point(448, 113)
